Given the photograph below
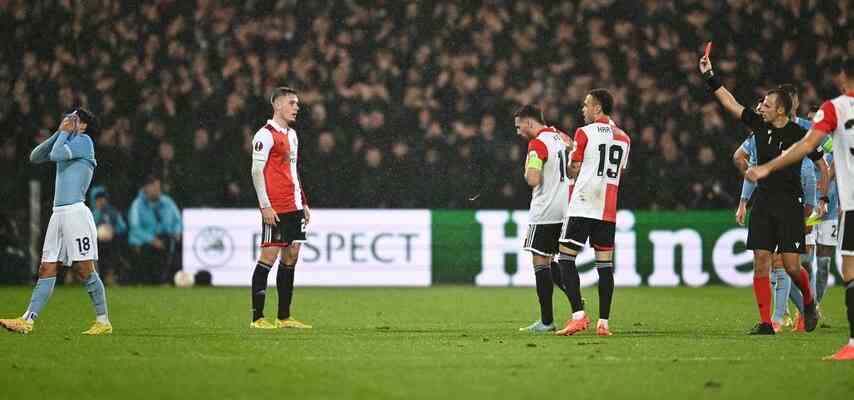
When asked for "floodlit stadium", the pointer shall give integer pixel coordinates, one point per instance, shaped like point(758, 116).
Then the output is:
point(426, 199)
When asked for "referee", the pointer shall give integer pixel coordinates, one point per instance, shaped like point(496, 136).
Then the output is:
point(777, 221)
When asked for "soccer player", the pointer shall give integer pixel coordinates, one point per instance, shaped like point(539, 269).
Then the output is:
point(71, 237)
point(598, 162)
point(826, 230)
point(776, 223)
point(835, 117)
point(545, 173)
point(284, 208)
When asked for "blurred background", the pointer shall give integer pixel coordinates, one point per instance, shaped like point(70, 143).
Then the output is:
point(404, 104)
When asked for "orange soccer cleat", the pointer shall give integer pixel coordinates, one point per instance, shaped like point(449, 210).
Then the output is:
point(574, 326)
point(846, 353)
point(799, 325)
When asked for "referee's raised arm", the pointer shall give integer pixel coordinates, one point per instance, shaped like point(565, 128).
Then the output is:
point(714, 84)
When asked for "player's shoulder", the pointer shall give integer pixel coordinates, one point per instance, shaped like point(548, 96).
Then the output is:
point(266, 131)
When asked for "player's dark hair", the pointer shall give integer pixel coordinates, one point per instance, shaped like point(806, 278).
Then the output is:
point(281, 91)
point(150, 178)
point(783, 99)
point(88, 118)
point(530, 111)
point(604, 98)
point(845, 65)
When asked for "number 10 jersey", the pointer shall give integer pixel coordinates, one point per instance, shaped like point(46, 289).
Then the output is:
point(550, 198)
point(603, 150)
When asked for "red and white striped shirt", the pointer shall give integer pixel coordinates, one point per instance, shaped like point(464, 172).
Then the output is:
point(278, 147)
point(603, 150)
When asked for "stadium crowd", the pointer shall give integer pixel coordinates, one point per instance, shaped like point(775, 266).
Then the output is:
point(404, 104)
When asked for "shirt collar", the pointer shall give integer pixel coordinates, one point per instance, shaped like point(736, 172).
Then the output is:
point(545, 129)
point(276, 126)
point(604, 120)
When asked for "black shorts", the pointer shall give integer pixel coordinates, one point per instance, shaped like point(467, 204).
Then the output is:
point(576, 231)
point(846, 233)
point(289, 229)
point(777, 225)
point(542, 239)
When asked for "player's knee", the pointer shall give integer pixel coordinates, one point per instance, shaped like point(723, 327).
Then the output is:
point(47, 270)
point(568, 249)
point(292, 254)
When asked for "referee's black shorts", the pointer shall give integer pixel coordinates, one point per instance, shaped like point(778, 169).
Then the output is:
point(777, 224)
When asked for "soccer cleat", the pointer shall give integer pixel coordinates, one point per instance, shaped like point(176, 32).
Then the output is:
point(762, 329)
point(538, 327)
point(799, 325)
point(574, 326)
point(291, 323)
point(99, 328)
point(602, 330)
point(810, 317)
point(261, 323)
point(846, 353)
point(17, 325)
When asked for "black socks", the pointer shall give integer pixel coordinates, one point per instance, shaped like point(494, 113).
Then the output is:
point(285, 287)
point(545, 289)
point(571, 282)
point(259, 289)
point(606, 287)
point(849, 304)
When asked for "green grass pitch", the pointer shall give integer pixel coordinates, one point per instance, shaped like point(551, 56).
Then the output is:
point(441, 342)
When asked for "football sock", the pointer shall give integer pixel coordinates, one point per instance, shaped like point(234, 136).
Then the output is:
point(285, 287)
point(571, 281)
point(801, 279)
point(762, 291)
point(849, 304)
point(259, 290)
point(822, 270)
point(605, 269)
point(556, 276)
point(782, 286)
point(797, 298)
point(545, 288)
point(41, 294)
point(95, 288)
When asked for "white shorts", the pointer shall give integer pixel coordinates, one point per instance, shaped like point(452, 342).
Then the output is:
point(71, 235)
point(809, 239)
point(827, 231)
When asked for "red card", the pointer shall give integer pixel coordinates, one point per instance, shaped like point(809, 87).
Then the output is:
point(708, 49)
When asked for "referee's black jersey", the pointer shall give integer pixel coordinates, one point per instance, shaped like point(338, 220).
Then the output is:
point(770, 143)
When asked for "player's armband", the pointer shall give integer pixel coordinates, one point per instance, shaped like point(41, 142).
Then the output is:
point(534, 161)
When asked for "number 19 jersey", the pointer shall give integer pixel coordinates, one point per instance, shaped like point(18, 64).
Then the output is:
point(550, 198)
point(603, 150)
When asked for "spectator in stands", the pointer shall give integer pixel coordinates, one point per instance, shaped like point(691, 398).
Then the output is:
point(155, 232)
point(112, 230)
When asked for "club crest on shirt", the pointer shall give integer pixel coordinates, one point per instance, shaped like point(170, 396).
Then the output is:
point(259, 146)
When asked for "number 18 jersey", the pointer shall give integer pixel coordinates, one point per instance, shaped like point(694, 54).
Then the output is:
point(603, 150)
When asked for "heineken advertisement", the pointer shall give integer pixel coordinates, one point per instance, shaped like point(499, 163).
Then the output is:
point(478, 247)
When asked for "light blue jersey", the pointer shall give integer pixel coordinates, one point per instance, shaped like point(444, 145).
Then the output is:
point(808, 175)
point(74, 155)
point(832, 194)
